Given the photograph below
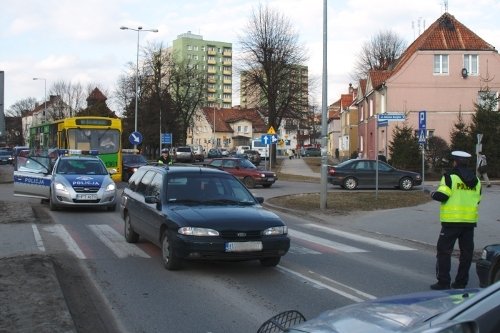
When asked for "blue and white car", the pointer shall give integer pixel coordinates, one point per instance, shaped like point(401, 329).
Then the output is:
point(72, 181)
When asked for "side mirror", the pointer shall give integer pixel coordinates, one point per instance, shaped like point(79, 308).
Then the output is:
point(260, 199)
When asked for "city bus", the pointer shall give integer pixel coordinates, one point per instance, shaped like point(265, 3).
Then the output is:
point(82, 133)
point(262, 148)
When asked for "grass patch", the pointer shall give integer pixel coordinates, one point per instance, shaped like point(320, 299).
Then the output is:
point(346, 202)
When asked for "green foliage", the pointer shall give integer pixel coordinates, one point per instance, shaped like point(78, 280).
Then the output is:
point(437, 153)
point(486, 121)
point(460, 136)
point(404, 148)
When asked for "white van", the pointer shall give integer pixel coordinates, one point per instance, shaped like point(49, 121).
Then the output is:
point(241, 149)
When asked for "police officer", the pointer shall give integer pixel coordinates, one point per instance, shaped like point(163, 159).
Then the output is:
point(459, 193)
point(165, 157)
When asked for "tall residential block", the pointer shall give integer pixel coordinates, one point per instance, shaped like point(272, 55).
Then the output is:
point(213, 57)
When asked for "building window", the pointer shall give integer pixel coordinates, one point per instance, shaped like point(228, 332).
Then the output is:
point(245, 129)
point(189, 47)
point(440, 64)
point(471, 64)
point(239, 129)
point(371, 108)
point(196, 47)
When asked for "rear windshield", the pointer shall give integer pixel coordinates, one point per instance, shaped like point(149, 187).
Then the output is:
point(184, 149)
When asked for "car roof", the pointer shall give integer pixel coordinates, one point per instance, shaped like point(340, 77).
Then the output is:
point(172, 169)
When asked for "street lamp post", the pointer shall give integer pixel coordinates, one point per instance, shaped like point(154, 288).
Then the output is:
point(139, 29)
point(44, 97)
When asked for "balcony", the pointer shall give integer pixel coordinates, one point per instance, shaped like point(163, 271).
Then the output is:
point(227, 71)
point(226, 81)
point(211, 80)
point(211, 52)
point(211, 61)
point(227, 62)
point(227, 53)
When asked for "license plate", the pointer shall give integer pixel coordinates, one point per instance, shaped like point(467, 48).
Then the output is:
point(270, 179)
point(86, 197)
point(243, 246)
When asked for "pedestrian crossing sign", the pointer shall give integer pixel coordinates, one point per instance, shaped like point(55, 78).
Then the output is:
point(421, 135)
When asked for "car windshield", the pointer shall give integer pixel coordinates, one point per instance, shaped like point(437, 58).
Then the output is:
point(202, 189)
point(134, 159)
point(183, 150)
point(81, 167)
point(247, 164)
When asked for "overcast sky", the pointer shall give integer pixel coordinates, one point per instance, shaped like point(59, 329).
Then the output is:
point(81, 41)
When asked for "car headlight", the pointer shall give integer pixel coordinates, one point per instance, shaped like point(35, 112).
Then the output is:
point(273, 231)
point(484, 254)
point(262, 175)
point(193, 231)
point(60, 187)
point(111, 187)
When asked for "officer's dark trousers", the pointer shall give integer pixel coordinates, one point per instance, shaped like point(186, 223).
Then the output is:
point(445, 245)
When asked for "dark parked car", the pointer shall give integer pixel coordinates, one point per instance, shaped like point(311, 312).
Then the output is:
point(488, 267)
point(445, 311)
point(214, 152)
point(130, 164)
point(6, 157)
point(194, 212)
point(243, 169)
point(310, 151)
point(184, 154)
point(356, 173)
point(253, 156)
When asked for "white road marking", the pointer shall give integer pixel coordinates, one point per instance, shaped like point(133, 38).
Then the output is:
point(62, 233)
point(38, 238)
point(354, 294)
point(367, 240)
point(297, 249)
point(324, 242)
point(115, 242)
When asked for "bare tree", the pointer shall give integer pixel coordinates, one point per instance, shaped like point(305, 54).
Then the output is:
point(67, 101)
point(22, 106)
point(271, 59)
point(380, 53)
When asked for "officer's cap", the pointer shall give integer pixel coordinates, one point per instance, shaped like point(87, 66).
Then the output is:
point(458, 154)
point(164, 150)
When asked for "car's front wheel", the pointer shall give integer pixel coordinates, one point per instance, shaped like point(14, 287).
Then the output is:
point(406, 183)
point(249, 182)
point(270, 262)
point(168, 257)
point(350, 183)
point(130, 235)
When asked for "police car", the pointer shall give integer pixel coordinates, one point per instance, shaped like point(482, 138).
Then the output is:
point(77, 178)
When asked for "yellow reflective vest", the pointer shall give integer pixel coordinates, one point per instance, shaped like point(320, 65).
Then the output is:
point(463, 201)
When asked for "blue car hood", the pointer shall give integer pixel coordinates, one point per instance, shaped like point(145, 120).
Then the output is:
point(246, 217)
point(391, 314)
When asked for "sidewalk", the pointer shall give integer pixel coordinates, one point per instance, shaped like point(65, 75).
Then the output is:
point(418, 224)
point(32, 299)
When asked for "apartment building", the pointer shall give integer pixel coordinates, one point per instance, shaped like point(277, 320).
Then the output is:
point(215, 58)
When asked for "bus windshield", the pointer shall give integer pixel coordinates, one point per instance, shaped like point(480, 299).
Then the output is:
point(106, 141)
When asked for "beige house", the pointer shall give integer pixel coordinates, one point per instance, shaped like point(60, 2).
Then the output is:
point(233, 127)
point(442, 72)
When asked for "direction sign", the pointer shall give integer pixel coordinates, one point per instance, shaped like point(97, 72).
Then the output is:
point(382, 123)
point(421, 136)
point(391, 116)
point(422, 120)
point(268, 139)
point(166, 138)
point(135, 138)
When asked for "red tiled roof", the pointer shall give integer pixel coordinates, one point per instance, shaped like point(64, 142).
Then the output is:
point(96, 95)
point(378, 77)
point(445, 34)
point(225, 117)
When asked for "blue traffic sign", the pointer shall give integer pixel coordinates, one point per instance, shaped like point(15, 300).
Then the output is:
point(391, 116)
point(422, 120)
point(268, 139)
point(135, 138)
point(382, 123)
point(421, 136)
point(166, 138)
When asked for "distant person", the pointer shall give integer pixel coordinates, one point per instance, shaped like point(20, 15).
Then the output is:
point(482, 168)
point(459, 192)
point(165, 157)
